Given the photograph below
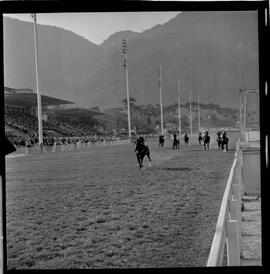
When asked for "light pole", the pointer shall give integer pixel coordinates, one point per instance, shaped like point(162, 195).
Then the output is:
point(190, 113)
point(179, 113)
point(40, 133)
point(199, 117)
point(160, 98)
point(125, 50)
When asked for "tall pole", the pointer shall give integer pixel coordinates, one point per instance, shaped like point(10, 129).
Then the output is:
point(190, 115)
point(199, 117)
point(160, 98)
point(240, 92)
point(40, 133)
point(179, 113)
point(124, 48)
point(240, 115)
point(245, 110)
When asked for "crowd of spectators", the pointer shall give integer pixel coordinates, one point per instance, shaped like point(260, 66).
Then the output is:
point(22, 130)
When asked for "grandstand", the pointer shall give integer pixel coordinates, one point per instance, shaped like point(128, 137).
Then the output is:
point(21, 124)
point(24, 101)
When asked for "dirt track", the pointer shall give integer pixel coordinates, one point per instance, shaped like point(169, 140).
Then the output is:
point(95, 209)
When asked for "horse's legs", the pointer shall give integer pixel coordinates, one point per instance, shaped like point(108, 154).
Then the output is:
point(148, 153)
point(139, 160)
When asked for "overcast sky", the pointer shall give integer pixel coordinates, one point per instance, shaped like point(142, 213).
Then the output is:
point(97, 27)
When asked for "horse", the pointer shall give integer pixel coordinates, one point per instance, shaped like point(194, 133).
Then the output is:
point(186, 139)
point(219, 140)
point(200, 139)
point(176, 142)
point(161, 141)
point(206, 140)
point(142, 150)
point(225, 141)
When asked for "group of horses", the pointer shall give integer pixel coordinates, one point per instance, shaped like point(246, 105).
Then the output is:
point(176, 141)
point(143, 150)
point(222, 140)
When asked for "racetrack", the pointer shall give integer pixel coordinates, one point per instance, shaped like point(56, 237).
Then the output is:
point(95, 209)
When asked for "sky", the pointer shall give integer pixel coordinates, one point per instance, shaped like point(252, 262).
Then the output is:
point(97, 27)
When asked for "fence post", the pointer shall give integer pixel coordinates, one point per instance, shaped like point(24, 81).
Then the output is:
point(233, 252)
point(1, 229)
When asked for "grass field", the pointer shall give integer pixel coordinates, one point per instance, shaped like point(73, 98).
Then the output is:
point(95, 209)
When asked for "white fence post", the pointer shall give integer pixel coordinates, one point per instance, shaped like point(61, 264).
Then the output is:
point(233, 243)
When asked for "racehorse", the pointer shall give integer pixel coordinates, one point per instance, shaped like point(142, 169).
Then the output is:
point(176, 142)
point(206, 140)
point(225, 141)
point(161, 141)
point(186, 139)
point(219, 140)
point(142, 150)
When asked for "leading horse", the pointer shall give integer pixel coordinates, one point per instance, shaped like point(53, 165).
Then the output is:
point(142, 150)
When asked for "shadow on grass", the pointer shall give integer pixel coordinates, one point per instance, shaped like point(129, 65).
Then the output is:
point(177, 168)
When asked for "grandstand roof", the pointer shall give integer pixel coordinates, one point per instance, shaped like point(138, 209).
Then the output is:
point(77, 113)
point(27, 97)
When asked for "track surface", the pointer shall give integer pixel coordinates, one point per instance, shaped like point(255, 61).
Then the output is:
point(95, 209)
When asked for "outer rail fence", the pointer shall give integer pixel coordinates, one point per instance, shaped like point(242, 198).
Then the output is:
point(228, 229)
point(66, 147)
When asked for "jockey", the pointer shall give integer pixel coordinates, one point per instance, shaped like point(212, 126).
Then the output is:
point(140, 143)
point(141, 140)
point(224, 136)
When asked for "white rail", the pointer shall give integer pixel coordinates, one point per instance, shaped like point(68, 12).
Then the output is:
point(1, 228)
point(228, 229)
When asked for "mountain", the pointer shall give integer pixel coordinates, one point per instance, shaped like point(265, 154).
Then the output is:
point(65, 59)
point(201, 49)
point(117, 37)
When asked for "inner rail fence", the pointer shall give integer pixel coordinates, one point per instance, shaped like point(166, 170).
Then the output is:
point(226, 245)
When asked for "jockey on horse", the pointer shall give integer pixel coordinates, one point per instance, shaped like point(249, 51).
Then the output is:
point(222, 140)
point(141, 150)
point(161, 141)
point(206, 140)
point(225, 141)
point(176, 142)
point(219, 139)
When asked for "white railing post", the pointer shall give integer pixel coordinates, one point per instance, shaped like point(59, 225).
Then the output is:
point(233, 251)
point(234, 221)
point(1, 229)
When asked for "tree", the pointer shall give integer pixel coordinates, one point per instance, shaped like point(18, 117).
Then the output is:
point(96, 109)
point(132, 101)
